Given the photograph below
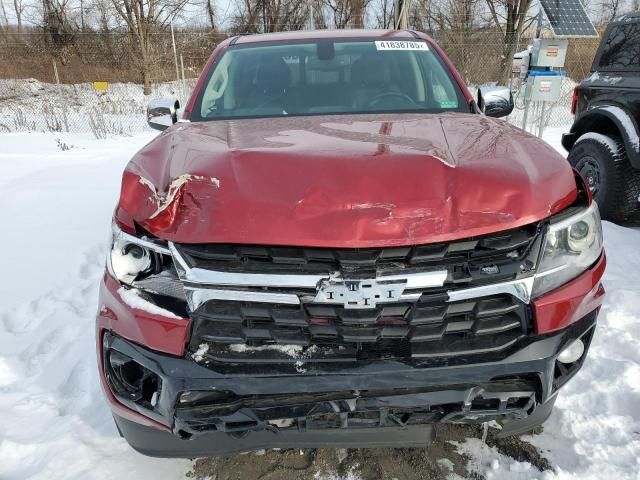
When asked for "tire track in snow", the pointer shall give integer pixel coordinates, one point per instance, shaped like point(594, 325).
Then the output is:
point(55, 421)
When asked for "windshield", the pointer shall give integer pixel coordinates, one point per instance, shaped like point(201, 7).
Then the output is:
point(327, 77)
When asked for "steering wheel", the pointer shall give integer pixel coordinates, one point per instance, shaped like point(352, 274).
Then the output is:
point(388, 95)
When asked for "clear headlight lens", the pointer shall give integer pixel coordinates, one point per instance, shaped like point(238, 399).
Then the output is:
point(129, 260)
point(571, 246)
point(130, 257)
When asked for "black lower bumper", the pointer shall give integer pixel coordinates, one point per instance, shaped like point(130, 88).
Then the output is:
point(156, 443)
point(376, 404)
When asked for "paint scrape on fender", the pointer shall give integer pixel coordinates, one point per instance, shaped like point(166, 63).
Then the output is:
point(162, 200)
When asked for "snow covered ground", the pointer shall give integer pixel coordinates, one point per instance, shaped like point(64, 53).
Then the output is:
point(28, 105)
point(58, 192)
point(57, 207)
point(594, 431)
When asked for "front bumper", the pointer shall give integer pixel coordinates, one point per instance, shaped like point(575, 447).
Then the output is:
point(382, 403)
point(366, 403)
point(152, 442)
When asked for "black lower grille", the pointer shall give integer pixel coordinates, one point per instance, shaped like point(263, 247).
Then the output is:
point(374, 408)
point(428, 328)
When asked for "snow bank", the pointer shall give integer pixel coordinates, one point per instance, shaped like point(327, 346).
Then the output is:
point(593, 432)
point(28, 105)
point(57, 204)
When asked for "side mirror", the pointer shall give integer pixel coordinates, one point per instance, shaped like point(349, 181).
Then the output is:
point(162, 112)
point(495, 101)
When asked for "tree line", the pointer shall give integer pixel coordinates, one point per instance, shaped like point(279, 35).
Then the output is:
point(61, 26)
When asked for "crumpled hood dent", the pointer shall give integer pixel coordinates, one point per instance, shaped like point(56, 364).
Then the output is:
point(343, 181)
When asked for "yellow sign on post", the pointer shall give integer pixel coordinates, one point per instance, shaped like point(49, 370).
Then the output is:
point(101, 86)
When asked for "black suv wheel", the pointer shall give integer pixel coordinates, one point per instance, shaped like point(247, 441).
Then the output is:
point(614, 184)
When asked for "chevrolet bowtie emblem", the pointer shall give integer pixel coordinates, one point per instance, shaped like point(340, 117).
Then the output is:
point(366, 293)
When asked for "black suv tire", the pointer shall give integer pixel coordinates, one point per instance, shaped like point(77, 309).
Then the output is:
point(614, 183)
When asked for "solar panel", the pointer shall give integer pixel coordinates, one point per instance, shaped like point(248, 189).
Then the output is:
point(568, 18)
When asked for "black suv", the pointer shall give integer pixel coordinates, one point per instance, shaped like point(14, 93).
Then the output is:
point(604, 141)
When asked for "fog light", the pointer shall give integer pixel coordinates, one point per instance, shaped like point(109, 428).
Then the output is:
point(572, 352)
point(131, 381)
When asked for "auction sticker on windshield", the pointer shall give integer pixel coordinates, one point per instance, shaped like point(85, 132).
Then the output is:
point(400, 45)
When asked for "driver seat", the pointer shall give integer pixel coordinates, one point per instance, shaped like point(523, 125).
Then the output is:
point(271, 84)
point(369, 77)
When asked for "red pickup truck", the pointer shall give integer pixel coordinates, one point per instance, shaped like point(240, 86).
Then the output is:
point(334, 244)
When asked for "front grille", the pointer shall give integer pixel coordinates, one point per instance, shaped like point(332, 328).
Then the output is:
point(421, 324)
point(428, 328)
point(487, 258)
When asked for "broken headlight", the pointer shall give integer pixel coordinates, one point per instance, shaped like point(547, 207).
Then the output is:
point(572, 245)
point(131, 258)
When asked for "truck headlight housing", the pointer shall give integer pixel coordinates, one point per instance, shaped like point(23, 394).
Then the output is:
point(572, 245)
point(131, 258)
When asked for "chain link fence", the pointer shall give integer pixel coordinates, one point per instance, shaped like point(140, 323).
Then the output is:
point(43, 93)
point(29, 105)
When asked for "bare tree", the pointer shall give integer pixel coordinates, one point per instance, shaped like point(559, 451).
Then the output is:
point(437, 16)
point(454, 23)
point(383, 13)
point(357, 12)
point(341, 13)
point(464, 15)
point(321, 15)
point(264, 16)
point(211, 14)
point(143, 18)
point(19, 7)
point(58, 27)
point(106, 18)
point(4, 21)
point(18, 10)
point(611, 9)
point(510, 18)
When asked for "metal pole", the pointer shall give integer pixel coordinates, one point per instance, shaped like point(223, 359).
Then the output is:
point(81, 16)
point(401, 14)
point(404, 19)
point(541, 127)
point(312, 25)
point(517, 48)
point(175, 54)
point(525, 115)
point(184, 82)
point(55, 71)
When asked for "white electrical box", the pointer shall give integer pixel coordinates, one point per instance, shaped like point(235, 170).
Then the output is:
point(543, 88)
point(549, 52)
point(520, 65)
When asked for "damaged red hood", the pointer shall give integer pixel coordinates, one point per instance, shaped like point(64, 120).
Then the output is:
point(343, 181)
